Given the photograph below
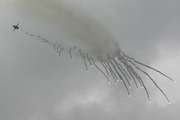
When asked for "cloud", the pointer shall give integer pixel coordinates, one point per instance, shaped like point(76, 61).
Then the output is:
point(37, 85)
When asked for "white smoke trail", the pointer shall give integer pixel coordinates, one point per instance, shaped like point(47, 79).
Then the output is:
point(99, 44)
point(95, 38)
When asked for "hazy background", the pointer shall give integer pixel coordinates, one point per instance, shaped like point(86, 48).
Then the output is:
point(36, 85)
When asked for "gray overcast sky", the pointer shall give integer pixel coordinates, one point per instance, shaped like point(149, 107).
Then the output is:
point(36, 85)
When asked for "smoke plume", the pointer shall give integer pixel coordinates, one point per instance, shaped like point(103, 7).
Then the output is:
point(96, 39)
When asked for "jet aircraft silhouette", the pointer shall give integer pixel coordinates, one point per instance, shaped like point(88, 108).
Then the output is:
point(15, 27)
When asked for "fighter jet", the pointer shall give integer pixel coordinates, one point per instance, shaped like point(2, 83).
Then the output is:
point(15, 27)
